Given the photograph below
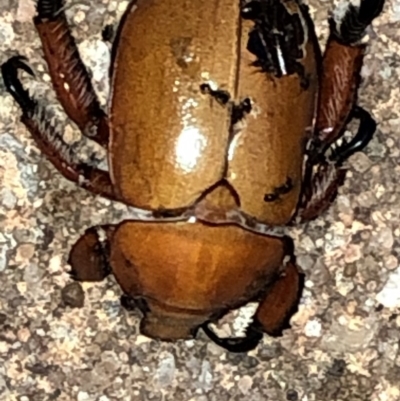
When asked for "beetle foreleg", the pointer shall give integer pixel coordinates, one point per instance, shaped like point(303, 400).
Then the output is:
point(273, 314)
point(281, 301)
point(68, 74)
point(89, 257)
point(49, 139)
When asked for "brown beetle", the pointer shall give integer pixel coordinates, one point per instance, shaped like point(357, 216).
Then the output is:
point(221, 128)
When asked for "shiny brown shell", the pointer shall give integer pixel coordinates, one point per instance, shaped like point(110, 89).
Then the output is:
point(202, 270)
point(171, 143)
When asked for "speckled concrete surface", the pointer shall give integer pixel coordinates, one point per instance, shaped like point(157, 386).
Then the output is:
point(344, 343)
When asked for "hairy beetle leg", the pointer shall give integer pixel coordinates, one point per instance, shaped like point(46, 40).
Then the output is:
point(321, 189)
point(364, 135)
point(69, 76)
point(47, 137)
point(323, 179)
point(341, 68)
point(89, 257)
point(273, 313)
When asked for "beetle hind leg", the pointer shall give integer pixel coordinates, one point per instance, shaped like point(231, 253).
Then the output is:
point(273, 313)
point(48, 138)
point(364, 135)
point(341, 68)
point(323, 179)
point(69, 76)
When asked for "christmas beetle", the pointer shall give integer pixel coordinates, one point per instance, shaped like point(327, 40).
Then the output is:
point(222, 128)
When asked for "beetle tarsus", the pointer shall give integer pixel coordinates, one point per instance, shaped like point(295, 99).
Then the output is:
point(9, 71)
point(356, 20)
point(237, 344)
point(49, 9)
point(364, 135)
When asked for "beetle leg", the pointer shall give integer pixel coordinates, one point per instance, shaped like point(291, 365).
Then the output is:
point(320, 190)
point(68, 74)
point(323, 179)
point(273, 313)
point(48, 138)
point(281, 301)
point(89, 257)
point(341, 67)
point(364, 135)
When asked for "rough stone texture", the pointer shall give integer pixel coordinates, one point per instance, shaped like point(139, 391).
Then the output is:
point(344, 342)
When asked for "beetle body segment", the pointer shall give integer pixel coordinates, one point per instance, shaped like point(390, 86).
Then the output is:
point(171, 142)
point(266, 162)
point(202, 271)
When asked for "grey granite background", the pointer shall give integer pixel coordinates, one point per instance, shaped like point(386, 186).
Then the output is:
point(344, 343)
